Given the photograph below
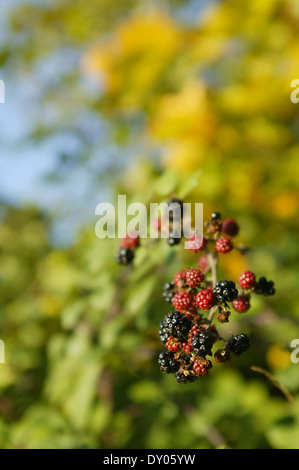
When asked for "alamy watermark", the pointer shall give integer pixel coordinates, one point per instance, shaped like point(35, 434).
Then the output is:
point(114, 222)
point(295, 93)
point(295, 353)
point(2, 92)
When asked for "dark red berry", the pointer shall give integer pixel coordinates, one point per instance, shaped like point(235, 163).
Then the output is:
point(224, 245)
point(247, 280)
point(194, 277)
point(241, 303)
point(205, 299)
point(230, 227)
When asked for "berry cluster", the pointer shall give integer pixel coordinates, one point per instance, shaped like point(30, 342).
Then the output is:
point(197, 296)
point(128, 244)
point(187, 332)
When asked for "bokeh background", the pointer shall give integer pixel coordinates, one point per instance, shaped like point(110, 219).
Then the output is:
point(146, 99)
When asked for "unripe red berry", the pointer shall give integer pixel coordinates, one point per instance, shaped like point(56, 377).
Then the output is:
point(203, 263)
point(196, 243)
point(181, 300)
point(241, 303)
point(230, 227)
point(205, 299)
point(202, 366)
point(194, 277)
point(247, 280)
point(180, 277)
point(171, 344)
point(130, 241)
point(224, 245)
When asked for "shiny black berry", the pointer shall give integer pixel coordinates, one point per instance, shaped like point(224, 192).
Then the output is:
point(124, 256)
point(169, 291)
point(168, 363)
point(173, 239)
point(176, 211)
point(238, 344)
point(215, 215)
point(225, 291)
point(264, 287)
point(175, 324)
point(202, 344)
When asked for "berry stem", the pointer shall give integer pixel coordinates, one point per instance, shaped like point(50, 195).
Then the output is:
point(213, 263)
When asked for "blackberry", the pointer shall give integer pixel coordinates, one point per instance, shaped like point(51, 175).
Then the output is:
point(168, 363)
point(224, 245)
point(247, 280)
point(180, 278)
point(181, 301)
point(194, 277)
point(173, 238)
point(175, 324)
point(202, 366)
point(196, 243)
point(186, 374)
point(264, 287)
point(124, 256)
point(131, 240)
point(185, 378)
point(168, 291)
point(230, 227)
point(203, 263)
point(177, 212)
point(225, 291)
point(202, 344)
point(241, 304)
point(238, 344)
point(205, 299)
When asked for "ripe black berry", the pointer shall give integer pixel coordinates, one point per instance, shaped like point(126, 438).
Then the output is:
point(202, 344)
point(264, 287)
point(175, 324)
point(225, 291)
point(186, 374)
point(173, 239)
point(177, 212)
point(168, 363)
point(168, 291)
point(215, 215)
point(124, 256)
point(238, 344)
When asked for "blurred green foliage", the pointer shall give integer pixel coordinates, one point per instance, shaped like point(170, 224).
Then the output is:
point(212, 99)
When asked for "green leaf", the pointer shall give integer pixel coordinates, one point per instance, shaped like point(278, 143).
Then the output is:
point(189, 184)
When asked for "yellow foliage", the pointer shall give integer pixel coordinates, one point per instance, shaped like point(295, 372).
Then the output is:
point(285, 205)
point(234, 263)
point(278, 358)
point(131, 61)
point(184, 114)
